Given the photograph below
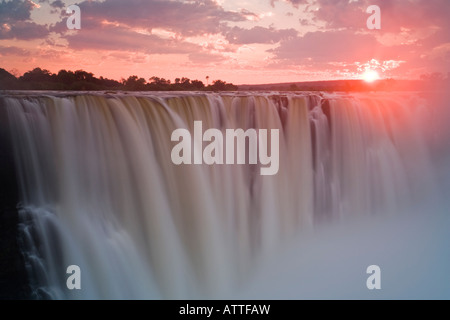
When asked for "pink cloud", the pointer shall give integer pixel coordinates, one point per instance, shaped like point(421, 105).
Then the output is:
point(327, 46)
point(258, 35)
point(15, 51)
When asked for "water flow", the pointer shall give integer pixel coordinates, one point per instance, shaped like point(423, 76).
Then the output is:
point(99, 189)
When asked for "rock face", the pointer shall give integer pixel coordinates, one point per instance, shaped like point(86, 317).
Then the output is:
point(13, 276)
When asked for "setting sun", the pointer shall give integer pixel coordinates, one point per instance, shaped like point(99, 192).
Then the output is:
point(371, 76)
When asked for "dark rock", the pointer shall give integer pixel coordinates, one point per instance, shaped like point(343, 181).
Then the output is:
point(13, 276)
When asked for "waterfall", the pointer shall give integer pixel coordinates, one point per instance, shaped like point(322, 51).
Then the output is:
point(99, 189)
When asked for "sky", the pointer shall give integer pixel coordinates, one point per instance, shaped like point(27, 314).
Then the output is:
point(238, 41)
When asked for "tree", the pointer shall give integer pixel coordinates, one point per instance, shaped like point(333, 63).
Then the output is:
point(37, 75)
point(135, 83)
point(219, 85)
point(42, 79)
point(81, 75)
point(66, 77)
point(7, 80)
point(157, 83)
point(197, 84)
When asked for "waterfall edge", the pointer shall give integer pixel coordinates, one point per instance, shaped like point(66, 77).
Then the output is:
point(13, 275)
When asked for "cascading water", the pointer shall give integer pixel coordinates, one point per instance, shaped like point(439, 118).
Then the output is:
point(99, 189)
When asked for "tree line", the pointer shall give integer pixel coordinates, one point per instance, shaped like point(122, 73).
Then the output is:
point(80, 80)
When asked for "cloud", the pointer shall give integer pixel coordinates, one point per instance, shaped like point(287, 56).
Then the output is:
point(206, 32)
point(185, 18)
point(14, 51)
point(415, 31)
point(150, 26)
point(395, 14)
point(17, 10)
point(117, 38)
point(57, 4)
point(295, 3)
point(49, 54)
point(327, 46)
point(15, 21)
point(23, 30)
point(258, 35)
point(203, 58)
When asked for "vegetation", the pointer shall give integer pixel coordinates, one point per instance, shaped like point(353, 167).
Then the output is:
point(41, 79)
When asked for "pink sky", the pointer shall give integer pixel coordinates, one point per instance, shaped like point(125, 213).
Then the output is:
point(243, 42)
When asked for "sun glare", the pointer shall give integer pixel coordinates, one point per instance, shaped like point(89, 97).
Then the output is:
point(370, 76)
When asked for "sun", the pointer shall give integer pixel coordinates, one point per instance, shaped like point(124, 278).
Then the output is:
point(370, 76)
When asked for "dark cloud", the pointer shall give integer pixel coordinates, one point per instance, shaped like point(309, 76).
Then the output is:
point(248, 14)
point(342, 14)
point(57, 4)
point(15, 22)
point(258, 34)
point(186, 18)
point(23, 30)
point(128, 25)
point(304, 22)
point(295, 3)
point(17, 10)
point(122, 39)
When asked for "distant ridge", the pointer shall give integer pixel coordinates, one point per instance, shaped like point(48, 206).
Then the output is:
point(350, 85)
